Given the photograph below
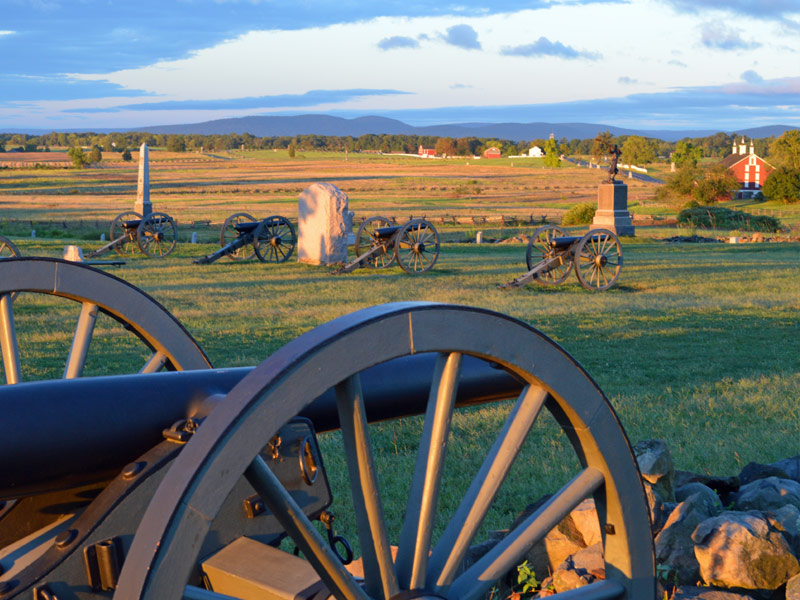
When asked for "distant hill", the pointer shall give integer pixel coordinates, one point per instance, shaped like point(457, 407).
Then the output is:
point(313, 124)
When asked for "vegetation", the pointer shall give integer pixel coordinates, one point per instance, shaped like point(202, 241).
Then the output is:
point(580, 214)
point(686, 154)
point(638, 151)
point(783, 185)
point(552, 157)
point(705, 186)
point(719, 217)
point(785, 150)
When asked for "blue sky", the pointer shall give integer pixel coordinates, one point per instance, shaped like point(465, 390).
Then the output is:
point(656, 64)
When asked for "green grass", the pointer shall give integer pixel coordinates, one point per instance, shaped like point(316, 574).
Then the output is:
point(697, 344)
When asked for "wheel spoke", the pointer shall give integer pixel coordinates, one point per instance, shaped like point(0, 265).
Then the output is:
point(477, 580)
point(154, 363)
point(81, 340)
point(457, 537)
point(8, 341)
point(300, 529)
point(380, 579)
point(415, 537)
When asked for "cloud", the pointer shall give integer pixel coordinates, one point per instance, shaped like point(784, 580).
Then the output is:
point(751, 76)
point(720, 37)
point(625, 80)
point(544, 47)
point(462, 36)
point(20, 88)
point(461, 86)
point(311, 98)
point(6, 32)
point(676, 63)
point(397, 41)
point(759, 9)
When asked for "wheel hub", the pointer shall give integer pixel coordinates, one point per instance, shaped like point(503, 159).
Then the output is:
point(600, 260)
point(275, 241)
point(419, 247)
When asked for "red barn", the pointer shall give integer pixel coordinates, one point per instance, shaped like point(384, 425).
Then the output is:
point(426, 151)
point(492, 152)
point(750, 169)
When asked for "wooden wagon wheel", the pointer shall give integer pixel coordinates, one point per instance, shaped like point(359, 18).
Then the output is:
point(166, 546)
point(157, 235)
point(275, 240)
point(598, 260)
point(416, 246)
point(367, 239)
point(540, 248)
point(95, 292)
point(8, 249)
point(128, 245)
point(228, 233)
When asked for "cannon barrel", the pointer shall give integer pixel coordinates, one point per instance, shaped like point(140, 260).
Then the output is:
point(63, 433)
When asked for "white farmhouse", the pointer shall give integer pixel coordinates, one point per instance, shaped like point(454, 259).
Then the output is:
point(536, 152)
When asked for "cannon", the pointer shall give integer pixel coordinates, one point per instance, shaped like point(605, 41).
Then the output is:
point(8, 249)
point(379, 244)
point(272, 239)
point(154, 235)
point(552, 254)
point(179, 480)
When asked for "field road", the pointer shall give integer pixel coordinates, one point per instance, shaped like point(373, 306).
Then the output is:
point(639, 176)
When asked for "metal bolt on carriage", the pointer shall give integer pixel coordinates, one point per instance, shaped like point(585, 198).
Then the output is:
point(154, 235)
point(242, 237)
point(552, 254)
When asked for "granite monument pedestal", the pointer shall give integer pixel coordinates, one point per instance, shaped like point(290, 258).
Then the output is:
point(612, 209)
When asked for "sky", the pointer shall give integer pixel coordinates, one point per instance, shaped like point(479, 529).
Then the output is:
point(649, 64)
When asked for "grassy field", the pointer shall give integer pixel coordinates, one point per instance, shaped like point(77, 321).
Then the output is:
point(698, 344)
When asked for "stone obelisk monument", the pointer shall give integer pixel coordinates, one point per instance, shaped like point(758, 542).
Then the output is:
point(143, 205)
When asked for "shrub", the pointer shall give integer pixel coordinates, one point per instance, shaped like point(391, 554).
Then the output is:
point(718, 217)
point(580, 214)
point(783, 185)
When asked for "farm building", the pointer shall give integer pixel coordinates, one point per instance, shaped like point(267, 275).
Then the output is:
point(492, 152)
point(750, 169)
point(426, 151)
point(536, 152)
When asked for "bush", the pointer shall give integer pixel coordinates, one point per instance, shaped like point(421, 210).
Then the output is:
point(580, 214)
point(783, 185)
point(718, 217)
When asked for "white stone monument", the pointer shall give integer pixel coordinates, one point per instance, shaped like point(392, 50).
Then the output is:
point(324, 222)
point(143, 205)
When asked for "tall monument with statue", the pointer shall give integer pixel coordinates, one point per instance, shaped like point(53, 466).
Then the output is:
point(143, 206)
point(612, 202)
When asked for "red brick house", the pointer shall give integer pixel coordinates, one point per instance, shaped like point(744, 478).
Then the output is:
point(750, 169)
point(492, 152)
point(426, 151)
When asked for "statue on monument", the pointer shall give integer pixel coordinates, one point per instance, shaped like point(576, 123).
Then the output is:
point(615, 153)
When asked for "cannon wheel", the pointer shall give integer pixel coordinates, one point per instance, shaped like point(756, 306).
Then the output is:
point(228, 233)
point(366, 241)
point(539, 249)
point(94, 291)
point(157, 235)
point(127, 246)
point(416, 246)
point(8, 249)
point(275, 240)
point(168, 540)
point(598, 260)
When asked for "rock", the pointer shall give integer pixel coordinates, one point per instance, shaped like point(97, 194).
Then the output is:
point(704, 593)
point(757, 237)
point(790, 466)
point(793, 588)
point(582, 568)
point(740, 549)
point(655, 464)
point(695, 487)
point(674, 546)
point(324, 223)
point(786, 519)
point(753, 471)
point(591, 560)
point(725, 487)
point(768, 494)
point(658, 514)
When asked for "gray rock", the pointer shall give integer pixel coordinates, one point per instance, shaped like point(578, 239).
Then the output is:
point(790, 466)
point(741, 550)
point(582, 568)
point(754, 471)
point(793, 588)
point(674, 546)
point(690, 489)
point(768, 494)
point(658, 514)
point(724, 486)
point(655, 464)
point(704, 593)
point(786, 519)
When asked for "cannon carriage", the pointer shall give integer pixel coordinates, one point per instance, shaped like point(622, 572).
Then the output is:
point(379, 244)
point(179, 480)
point(551, 255)
point(155, 235)
point(242, 237)
point(8, 249)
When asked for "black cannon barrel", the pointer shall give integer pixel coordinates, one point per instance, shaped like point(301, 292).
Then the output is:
point(62, 433)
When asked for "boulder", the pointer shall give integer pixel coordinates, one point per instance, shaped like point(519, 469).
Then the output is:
point(786, 519)
point(753, 471)
point(768, 494)
point(704, 593)
point(655, 464)
point(793, 588)
point(582, 568)
point(658, 513)
point(324, 224)
point(725, 487)
point(674, 547)
point(742, 550)
point(790, 466)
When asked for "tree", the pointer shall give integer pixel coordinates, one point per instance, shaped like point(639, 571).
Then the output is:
point(683, 180)
point(96, 155)
point(685, 152)
point(126, 155)
point(78, 156)
point(785, 151)
point(602, 144)
point(292, 149)
point(176, 143)
point(716, 184)
point(445, 147)
point(552, 157)
point(638, 151)
point(783, 185)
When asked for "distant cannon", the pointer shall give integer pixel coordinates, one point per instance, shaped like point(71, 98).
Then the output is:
point(182, 484)
point(379, 244)
point(154, 235)
point(552, 254)
point(242, 236)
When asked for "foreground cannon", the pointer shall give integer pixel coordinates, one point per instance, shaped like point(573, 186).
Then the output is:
point(552, 254)
point(8, 249)
point(214, 467)
point(154, 235)
point(241, 237)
